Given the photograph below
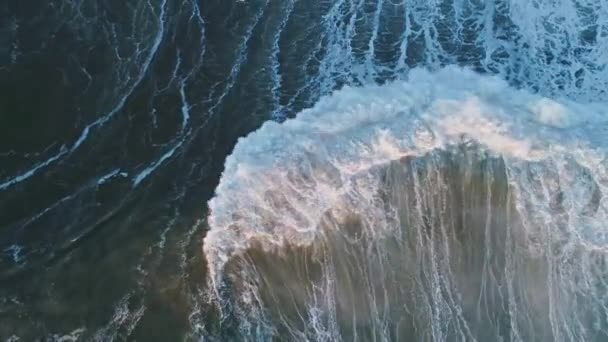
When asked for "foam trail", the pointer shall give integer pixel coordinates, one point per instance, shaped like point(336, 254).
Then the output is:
point(15, 252)
point(152, 167)
point(405, 36)
point(103, 179)
point(185, 109)
point(450, 205)
point(29, 173)
point(84, 134)
point(338, 61)
point(142, 74)
point(277, 114)
point(369, 59)
point(241, 57)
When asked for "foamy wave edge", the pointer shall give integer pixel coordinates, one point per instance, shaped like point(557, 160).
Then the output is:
point(351, 132)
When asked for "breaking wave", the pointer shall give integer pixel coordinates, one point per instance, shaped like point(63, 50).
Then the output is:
point(447, 206)
point(422, 201)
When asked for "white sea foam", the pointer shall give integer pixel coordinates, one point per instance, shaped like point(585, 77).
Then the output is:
point(282, 181)
point(359, 128)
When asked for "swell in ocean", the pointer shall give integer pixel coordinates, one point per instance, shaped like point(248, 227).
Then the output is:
point(424, 201)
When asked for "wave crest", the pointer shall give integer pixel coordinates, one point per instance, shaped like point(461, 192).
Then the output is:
point(385, 177)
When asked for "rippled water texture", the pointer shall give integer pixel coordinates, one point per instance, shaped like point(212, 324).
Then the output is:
point(406, 170)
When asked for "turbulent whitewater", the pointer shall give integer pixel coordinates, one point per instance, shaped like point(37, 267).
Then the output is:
point(425, 201)
point(449, 206)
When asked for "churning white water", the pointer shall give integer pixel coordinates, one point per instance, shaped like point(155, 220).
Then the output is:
point(446, 205)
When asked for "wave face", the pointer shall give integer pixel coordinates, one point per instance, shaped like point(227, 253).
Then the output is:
point(425, 201)
point(446, 207)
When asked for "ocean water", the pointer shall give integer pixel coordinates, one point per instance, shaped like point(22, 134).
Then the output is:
point(286, 170)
